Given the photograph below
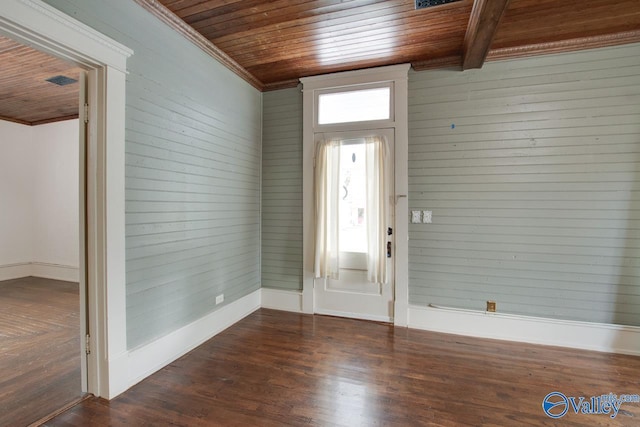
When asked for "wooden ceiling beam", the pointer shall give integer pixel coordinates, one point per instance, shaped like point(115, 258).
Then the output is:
point(483, 23)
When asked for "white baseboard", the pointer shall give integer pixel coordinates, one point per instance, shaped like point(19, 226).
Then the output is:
point(39, 269)
point(152, 357)
point(132, 367)
point(279, 299)
point(15, 271)
point(55, 271)
point(535, 330)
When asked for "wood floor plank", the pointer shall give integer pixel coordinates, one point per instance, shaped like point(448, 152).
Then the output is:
point(276, 368)
point(39, 348)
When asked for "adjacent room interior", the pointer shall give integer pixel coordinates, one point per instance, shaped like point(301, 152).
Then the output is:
point(457, 246)
point(40, 254)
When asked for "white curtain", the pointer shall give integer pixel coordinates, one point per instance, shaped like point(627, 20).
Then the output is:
point(327, 189)
point(377, 208)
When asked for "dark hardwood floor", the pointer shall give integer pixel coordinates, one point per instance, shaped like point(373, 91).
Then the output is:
point(276, 368)
point(39, 348)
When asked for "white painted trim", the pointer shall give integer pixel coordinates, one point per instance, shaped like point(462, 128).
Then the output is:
point(37, 24)
point(535, 330)
point(55, 271)
point(358, 77)
point(308, 209)
point(146, 360)
point(109, 251)
point(67, 273)
point(280, 299)
point(399, 75)
point(401, 182)
point(15, 271)
point(42, 26)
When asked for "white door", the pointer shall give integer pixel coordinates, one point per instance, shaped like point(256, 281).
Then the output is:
point(352, 295)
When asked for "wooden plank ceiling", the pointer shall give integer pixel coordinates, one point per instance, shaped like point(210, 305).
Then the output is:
point(273, 43)
point(25, 95)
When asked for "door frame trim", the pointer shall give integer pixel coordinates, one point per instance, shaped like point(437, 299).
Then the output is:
point(36, 24)
point(398, 74)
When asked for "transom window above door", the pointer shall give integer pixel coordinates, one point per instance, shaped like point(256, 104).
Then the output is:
point(367, 103)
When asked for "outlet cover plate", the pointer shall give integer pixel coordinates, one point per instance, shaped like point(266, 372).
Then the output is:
point(220, 299)
point(421, 4)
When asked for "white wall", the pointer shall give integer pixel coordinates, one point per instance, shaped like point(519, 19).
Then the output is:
point(16, 182)
point(39, 178)
point(56, 188)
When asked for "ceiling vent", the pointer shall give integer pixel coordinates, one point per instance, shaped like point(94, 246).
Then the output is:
point(61, 80)
point(422, 4)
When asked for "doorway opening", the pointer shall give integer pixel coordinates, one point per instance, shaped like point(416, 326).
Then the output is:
point(42, 363)
point(356, 222)
point(350, 106)
point(47, 29)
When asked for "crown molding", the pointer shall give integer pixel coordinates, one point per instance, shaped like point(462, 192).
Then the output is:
point(54, 120)
point(161, 12)
point(537, 49)
point(284, 84)
point(18, 121)
point(570, 45)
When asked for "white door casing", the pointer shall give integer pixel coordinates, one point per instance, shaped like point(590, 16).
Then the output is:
point(45, 28)
point(397, 75)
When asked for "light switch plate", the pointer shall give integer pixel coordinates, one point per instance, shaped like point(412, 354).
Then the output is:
point(426, 217)
point(415, 217)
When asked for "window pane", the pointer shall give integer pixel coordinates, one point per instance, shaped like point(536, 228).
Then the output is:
point(353, 194)
point(354, 106)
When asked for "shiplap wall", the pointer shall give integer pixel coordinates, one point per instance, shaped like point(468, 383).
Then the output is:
point(282, 189)
point(193, 143)
point(532, 170)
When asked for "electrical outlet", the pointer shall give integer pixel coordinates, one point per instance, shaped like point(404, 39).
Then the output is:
point(426, 217)
point(421, 4)
point(220, 299)
point(491, 306)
